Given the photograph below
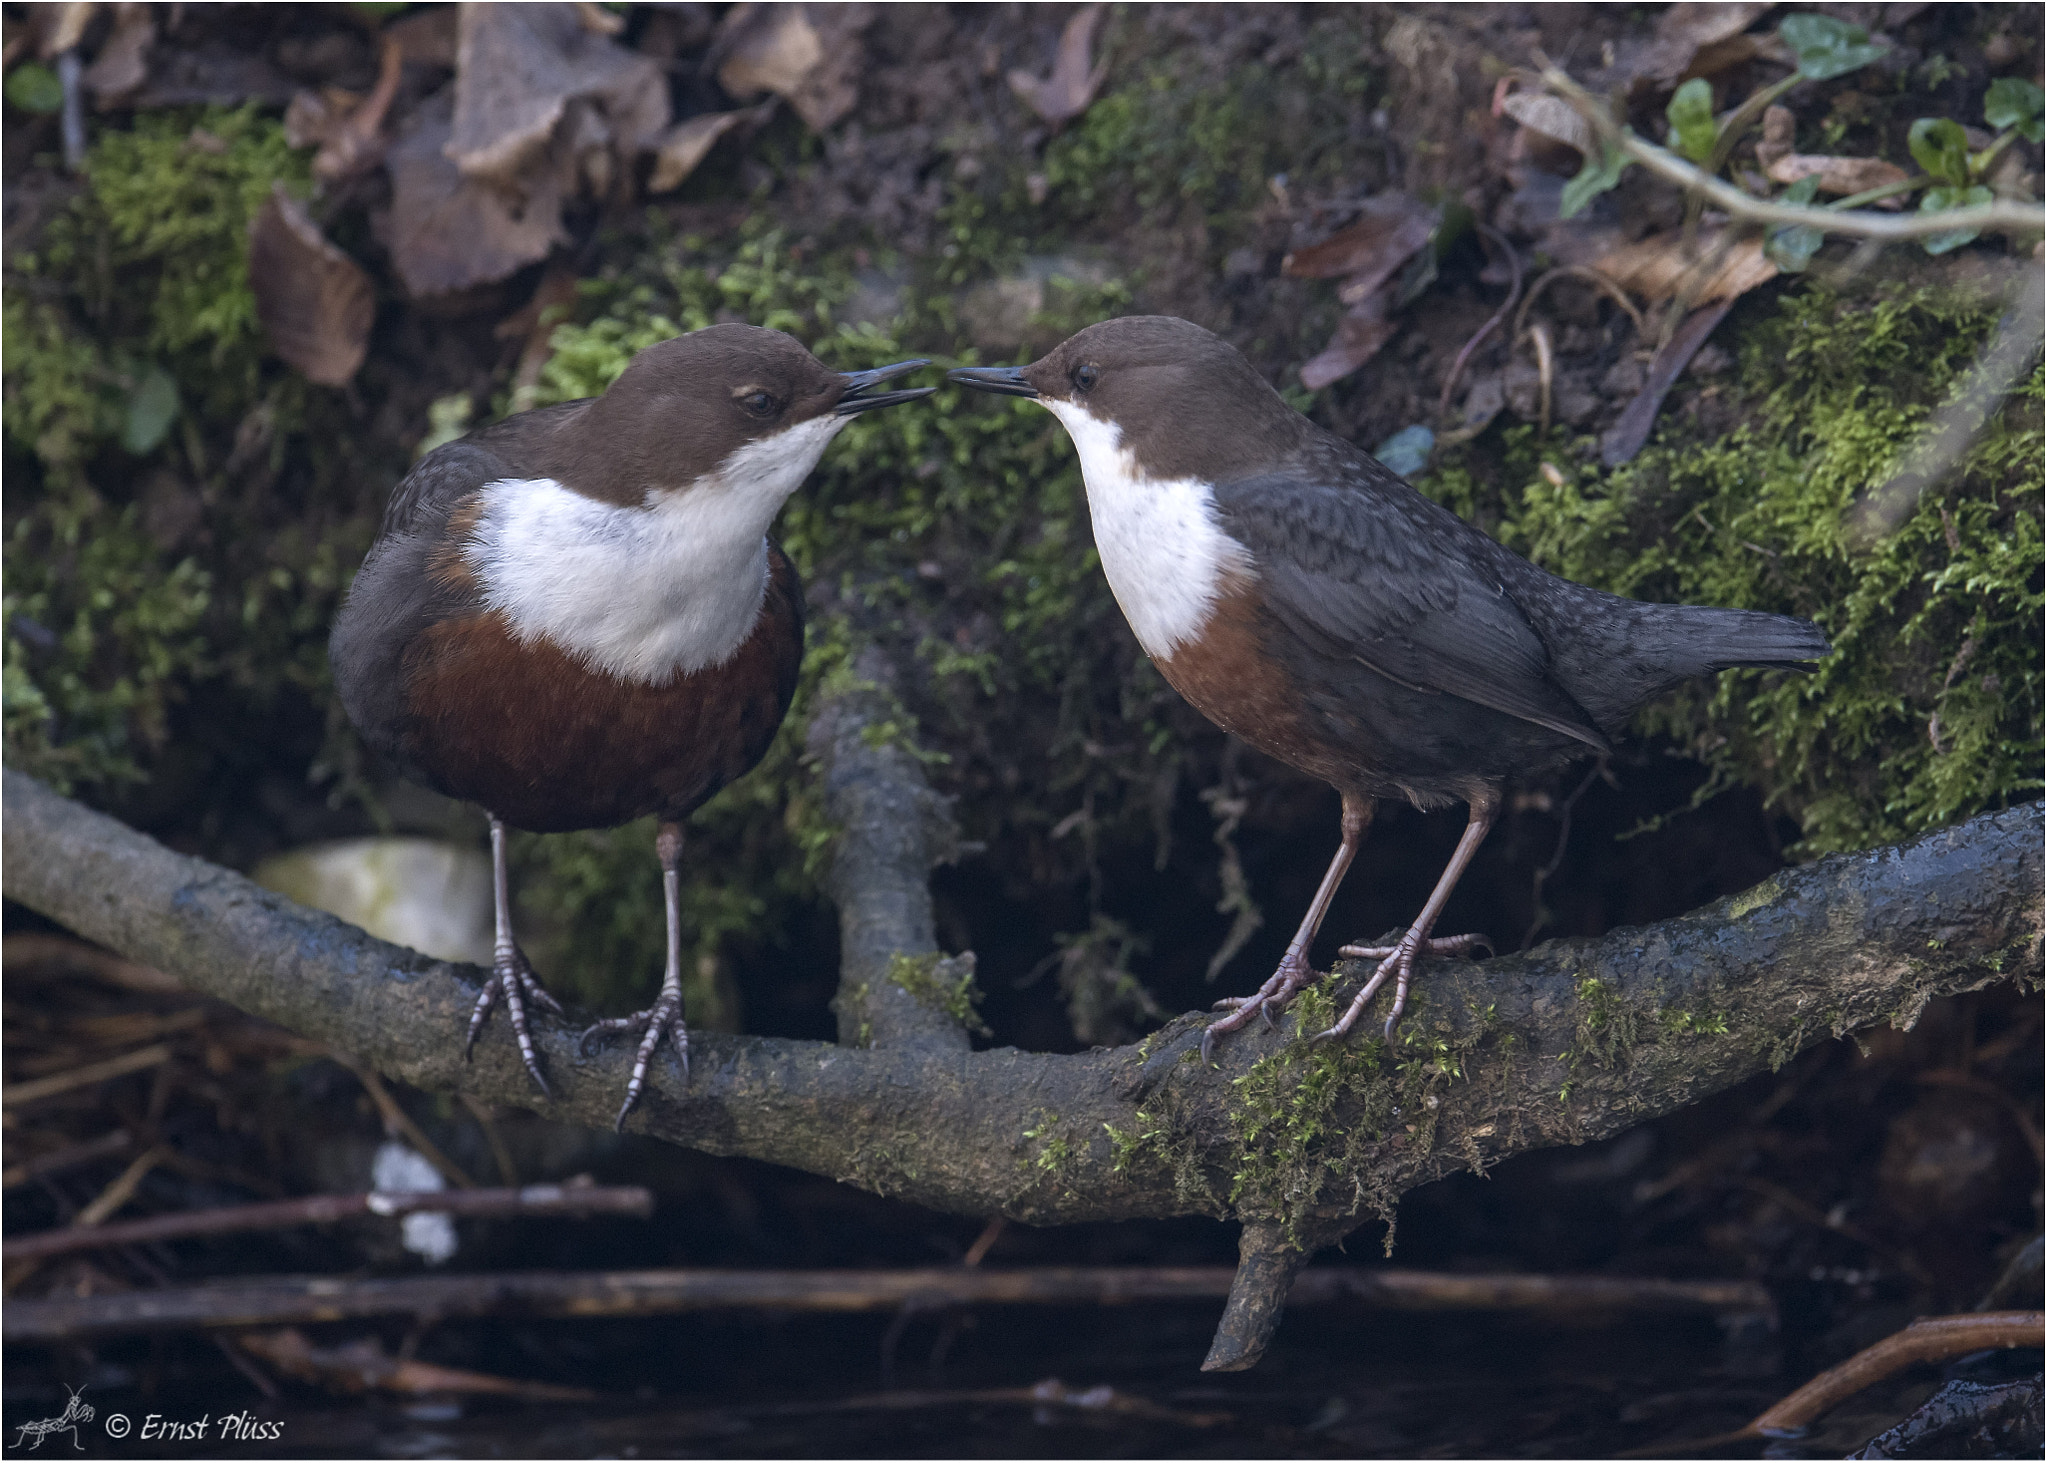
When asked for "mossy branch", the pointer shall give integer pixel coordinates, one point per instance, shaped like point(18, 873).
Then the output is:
point(1569, 1042)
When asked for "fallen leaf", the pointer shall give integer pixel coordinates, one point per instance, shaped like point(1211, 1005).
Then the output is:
point(1392, 227)
point(1065, 93)
point(678, 151)
point(1660, 267)
point(534, 326)
point(1553, 117)
point(59, 28)
point(1842, 175)
point(212, 73)
point(518, 67)
point(315, 303)
point(1360, 335)
point(809, 55)
point(1626, 437)
point(447, 231)
point(1776, 141)
point(1691, 40)
point(122, 64)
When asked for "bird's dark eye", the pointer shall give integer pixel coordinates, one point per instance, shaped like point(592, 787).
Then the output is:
point(1085, 378)
point(758, 404)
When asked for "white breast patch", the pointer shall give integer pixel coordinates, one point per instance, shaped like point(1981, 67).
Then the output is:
point(1163, 548)
point(642, 593)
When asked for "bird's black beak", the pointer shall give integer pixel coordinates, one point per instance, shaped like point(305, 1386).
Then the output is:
point(851, 402)
point(1003, 380)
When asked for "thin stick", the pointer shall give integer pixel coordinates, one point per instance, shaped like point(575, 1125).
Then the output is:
point(106, 1071)
point(298, 1300)
point(553, 1200)
point(399, 1125)
point(1931, 1338)
point(1457, 371)
point(2000, 216)
point(107, 1145)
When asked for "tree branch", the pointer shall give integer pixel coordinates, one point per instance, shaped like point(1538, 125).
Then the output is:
point(1566, 1043)
point(2000, 217)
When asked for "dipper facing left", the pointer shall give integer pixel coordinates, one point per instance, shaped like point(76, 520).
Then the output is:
point(575, 616)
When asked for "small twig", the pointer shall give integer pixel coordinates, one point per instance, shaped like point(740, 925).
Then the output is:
point(106, 1071)
point(1546, 371)
point(1457, 372)
point(2000, 216)
point(107, 1145)
point(1564, 832)
point(500, 1154)
point(1932, 1338)
point(290, 1300)
point(84, 1229)
point(575, 1201)
point(1588, 275)
point(399, 1125)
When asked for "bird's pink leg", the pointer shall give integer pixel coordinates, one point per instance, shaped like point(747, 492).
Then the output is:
point(1294, 971)
point(511, 976)
point(1398, 960)
point(665, 1016)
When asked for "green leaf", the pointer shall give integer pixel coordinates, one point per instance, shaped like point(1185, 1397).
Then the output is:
point(152, 407)
point(1691, 114)
point(2012, 102)
point(1940, 146)
point(1826, 47)
point(35, 88)
point(1792, 246)
point(1934, 200)
point(1596, 177)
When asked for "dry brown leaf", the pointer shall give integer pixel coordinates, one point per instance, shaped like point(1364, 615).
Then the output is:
point(315, 302)
point(1631, 430)
point(1065, 93)
point(1363, 330)
point(1837, 174)
point(1776, 141)
point(809, 55)
point(518, 67)
point(59, 28)
point(448, 232)
point(1692, 40)
point(1393, 227)
point(1551, 116)
point(1660, 267)
point(678, 151)
point(122, 64)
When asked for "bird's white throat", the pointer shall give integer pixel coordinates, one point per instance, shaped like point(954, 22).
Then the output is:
point(643, 593)
point(1162, 545)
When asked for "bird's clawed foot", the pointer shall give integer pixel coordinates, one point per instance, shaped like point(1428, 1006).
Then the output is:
point(1398, 961)
point(513, 978)
point(1294, 973)
point(663, 1018)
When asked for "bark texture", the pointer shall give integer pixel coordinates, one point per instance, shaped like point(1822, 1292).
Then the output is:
point(1571, 1041)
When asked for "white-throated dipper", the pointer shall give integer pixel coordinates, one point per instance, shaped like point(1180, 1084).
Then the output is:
point(575, 617)
point(1308, 600)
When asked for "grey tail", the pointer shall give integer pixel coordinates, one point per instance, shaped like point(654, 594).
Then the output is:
point(1724, 639)
point(1616, 662)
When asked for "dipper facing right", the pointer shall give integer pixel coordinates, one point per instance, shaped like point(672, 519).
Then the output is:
point(1308, 600)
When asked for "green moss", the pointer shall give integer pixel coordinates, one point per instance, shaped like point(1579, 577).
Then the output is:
point(134, 360)
point(945, 983)
point(1929, 709)
point(1604, 1027)
point(1055, 1151)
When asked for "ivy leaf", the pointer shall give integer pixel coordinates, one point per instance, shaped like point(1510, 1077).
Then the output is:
point(1792, 246)
point(152, 407)
point(2012, 102)
point(1596, 177)
point(1826, 47)
point(1691, 114)
point(35, 88)
point(1939, 145)
point(1934, 200)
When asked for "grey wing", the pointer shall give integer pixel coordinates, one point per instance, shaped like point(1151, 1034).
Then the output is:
point(440, 480)
point(1369, 576)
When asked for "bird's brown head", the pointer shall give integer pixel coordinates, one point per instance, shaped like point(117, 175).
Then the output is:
point(684, 409)
point(1184, 402)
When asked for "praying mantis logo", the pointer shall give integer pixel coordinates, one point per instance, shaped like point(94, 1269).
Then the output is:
point(75, 1412)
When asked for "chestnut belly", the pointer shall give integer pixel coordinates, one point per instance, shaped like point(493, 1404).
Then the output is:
point(549, 745)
